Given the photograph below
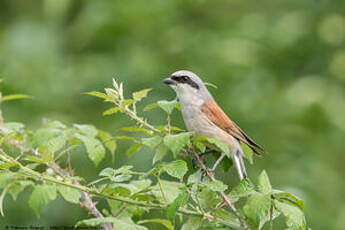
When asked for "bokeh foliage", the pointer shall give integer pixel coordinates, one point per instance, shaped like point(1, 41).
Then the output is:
point(278, 65)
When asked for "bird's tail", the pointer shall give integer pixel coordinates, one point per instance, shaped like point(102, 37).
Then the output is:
point(239, 163)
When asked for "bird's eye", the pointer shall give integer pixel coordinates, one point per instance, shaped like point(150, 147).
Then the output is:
point(184, 78)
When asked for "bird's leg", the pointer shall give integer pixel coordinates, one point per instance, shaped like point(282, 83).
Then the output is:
point(217, 162)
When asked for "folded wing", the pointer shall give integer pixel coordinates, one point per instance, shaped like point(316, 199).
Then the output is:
point(219, 118)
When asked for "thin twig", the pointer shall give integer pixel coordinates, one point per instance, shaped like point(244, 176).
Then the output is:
point(222, 194)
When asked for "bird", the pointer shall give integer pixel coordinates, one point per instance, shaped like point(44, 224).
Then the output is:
point(203, 116)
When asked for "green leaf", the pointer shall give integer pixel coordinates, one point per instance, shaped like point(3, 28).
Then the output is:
point(41, 196)
point(133, 149)
point(17, 187)
point(127, 102)
point(180, 201)
point(208, 198)
point(201, 146)
point(111, 111)
point(51, 140)
point(124, 223)
point(94, 148)
point(150, 106)
point(290, 198)
point(109, 143)
point(165, 223)
point(137, 96)
point(161, 151)
point(295, 219)
point(229, 218)
point(69, 194)
point(167, 106)
point(87, 130)
point(264, 184)
point(136, 129)
point(111, 172)
point(176, 142)
point(7, 165)
point(15, 97)
point(247, 153)
point(38, 159)
point(176, 168)
point(243, 189)
point(171, 190)
point(124, 138)
point(193, 223)
point(152, 142)
point(224, 147)
point(100, 95)
point(257, 208)
point(11, 126)
point(217, 186)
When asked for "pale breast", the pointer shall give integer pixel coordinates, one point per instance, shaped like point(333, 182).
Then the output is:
point(197, 122)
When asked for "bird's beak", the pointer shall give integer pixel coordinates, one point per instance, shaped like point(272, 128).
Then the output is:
point(169, 81)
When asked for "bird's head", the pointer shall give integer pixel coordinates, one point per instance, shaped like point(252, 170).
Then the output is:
point(188, 85)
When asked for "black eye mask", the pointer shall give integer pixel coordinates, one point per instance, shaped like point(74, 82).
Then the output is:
point(185, 80)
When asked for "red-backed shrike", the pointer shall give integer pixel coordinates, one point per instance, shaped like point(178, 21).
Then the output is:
point(204, 117)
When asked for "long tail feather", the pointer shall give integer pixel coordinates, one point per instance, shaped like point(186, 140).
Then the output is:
point(239, 163)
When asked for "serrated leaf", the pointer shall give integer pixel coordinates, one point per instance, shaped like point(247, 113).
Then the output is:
point(167, 106)
point(160, 152)
point(150, 106)
point(69, 194)
point(111, 111)
point(295, 218)
point(180, 201)
point(137, 96)
point(247, 153)
point(124, 223)
point(152, 142)
point(41, 196)
point(14, 97)
point(166, 223)
point(50, 139)
point(87, 130)
point(176, 168)
point(99, 95)
point(257, 208)
point(94, 148)
point(264, 184)
point(243, 189)
point(176, 142)
point(217, 186)
point(133, 149)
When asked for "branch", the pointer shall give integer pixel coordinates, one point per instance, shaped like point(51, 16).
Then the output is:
point(222, 194)
point(87, 199)
point(25, 171)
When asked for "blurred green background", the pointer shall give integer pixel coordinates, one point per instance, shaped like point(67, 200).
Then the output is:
point(279, 67)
